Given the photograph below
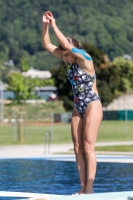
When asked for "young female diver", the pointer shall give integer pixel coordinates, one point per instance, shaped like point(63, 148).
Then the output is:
point(87, 111)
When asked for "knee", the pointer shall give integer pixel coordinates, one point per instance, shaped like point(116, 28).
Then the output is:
point(89, 149)
point(78, 148)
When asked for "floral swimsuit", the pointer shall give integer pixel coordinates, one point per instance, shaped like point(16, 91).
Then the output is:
point(82, 87)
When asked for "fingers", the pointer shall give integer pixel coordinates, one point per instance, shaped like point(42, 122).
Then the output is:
point(49, 15)
point(45, 18)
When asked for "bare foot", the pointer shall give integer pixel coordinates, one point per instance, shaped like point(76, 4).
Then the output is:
point(88, 191)
point(80, 192)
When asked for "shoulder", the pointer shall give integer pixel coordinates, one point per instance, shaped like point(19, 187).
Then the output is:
point(81, 52)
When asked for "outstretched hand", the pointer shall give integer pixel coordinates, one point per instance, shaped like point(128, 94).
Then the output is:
point(48, 18)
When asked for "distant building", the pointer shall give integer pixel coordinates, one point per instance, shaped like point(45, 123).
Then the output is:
point(123, 102)
point(42, 92)
point(127, 57)
point(46, 92)
point(33, 73)
point(9, 63)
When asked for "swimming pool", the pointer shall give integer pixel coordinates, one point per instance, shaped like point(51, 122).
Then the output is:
point(60, 177)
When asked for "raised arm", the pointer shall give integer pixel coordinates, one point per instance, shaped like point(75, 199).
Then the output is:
point(81, 54)
point(61, 38)
point(46, 42)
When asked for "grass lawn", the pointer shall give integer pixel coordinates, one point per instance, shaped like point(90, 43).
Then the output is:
point(115, 131)
point(109, 131)
point(116, 148)
point(122, 148)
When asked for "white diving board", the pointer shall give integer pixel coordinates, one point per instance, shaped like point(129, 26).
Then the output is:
point(128, 195)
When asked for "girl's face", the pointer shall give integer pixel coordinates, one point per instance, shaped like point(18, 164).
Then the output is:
point(67, 57)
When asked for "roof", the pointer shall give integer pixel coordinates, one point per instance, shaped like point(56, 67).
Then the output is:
point(33, 73)
point(46, 88)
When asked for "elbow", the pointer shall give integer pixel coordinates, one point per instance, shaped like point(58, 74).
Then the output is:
point(42, 43)
point(44, 46)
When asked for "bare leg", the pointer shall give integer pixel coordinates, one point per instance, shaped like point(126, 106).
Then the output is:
point(77, 137)
point(91, 123)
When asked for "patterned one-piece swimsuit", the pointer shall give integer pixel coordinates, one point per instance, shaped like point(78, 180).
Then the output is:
point(82, 87)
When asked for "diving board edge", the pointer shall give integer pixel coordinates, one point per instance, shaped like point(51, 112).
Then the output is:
point(127, 195)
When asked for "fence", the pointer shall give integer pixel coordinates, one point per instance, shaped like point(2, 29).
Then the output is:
point(118, 115)
point(107, 115)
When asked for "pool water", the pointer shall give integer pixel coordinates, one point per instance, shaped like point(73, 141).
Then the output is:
point(59, 177)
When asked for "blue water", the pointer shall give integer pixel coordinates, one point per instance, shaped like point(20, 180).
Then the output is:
point(58, 177)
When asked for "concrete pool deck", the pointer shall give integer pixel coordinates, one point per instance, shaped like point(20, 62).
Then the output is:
point(63, 152)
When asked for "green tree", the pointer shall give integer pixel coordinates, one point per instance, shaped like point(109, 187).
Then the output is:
point(2, 68)
point(115, 79)
point(125, 71)
point(24, 66)
point(64, 88)
point(108, 82)
point(107, 25)
point(21, 86)
point(97, 54)
point(23, 89)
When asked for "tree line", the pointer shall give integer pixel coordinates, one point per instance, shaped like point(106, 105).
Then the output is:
point(107, 25)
